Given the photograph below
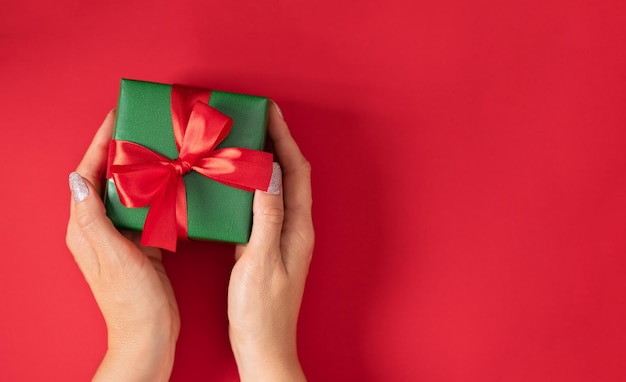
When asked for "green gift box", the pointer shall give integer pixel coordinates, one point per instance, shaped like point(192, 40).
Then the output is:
point(215, 211)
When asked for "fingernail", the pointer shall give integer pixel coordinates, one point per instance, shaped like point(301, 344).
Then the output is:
point(276, 183)
point(78, 187)
point(278, 110)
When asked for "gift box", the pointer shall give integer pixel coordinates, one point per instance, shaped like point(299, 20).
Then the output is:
point(180, 169)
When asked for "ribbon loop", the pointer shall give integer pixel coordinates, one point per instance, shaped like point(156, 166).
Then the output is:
point(145, 178)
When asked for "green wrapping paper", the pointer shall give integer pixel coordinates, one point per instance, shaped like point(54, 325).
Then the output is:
point(214, 211)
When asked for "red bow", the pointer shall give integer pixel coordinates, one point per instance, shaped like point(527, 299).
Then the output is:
point(145, 178)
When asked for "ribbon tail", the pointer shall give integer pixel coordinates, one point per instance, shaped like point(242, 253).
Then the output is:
point(160, 228)
point(182, 230)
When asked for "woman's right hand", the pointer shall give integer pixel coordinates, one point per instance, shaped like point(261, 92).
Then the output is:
point(267, 281)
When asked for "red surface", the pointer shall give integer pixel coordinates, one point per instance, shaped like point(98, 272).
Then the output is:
point(468, 157)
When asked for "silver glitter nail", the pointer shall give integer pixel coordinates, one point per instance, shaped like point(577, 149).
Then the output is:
point(276, 183)
point(78, 187)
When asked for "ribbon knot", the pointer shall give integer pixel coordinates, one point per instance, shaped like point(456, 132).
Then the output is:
point(145, 178)
point(181, 166)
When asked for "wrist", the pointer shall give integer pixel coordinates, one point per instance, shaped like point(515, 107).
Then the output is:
point(142, 355)
point(133, 366)
point(257, 362)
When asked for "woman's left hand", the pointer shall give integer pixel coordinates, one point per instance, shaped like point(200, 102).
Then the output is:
point(127, 280)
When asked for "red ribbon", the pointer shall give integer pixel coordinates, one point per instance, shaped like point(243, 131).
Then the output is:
point(145, 178)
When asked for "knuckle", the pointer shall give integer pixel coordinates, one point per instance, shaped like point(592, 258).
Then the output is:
point(306, 167)
point(303, 241)
point(273, 214)
point(308, 243)
point(69, 241)
point(69, 237)
point(84, 220)
point(311, 243)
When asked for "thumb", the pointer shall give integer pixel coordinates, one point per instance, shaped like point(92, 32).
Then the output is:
point(268, 212)
point(89, 216)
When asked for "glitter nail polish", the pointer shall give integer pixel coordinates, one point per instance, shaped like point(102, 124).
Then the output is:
point(78, 187)
point(276, 183)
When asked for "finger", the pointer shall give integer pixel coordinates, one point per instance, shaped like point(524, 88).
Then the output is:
point(88, 214)
point(296, 169)
point(81, 250)
point(298, 234)
point(93, 164)
point(267, 220)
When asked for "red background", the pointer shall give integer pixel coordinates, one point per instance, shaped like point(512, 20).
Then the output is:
point(468, 161)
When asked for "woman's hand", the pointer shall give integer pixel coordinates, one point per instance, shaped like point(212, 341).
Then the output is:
point(128, 281)
point(267, 281)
